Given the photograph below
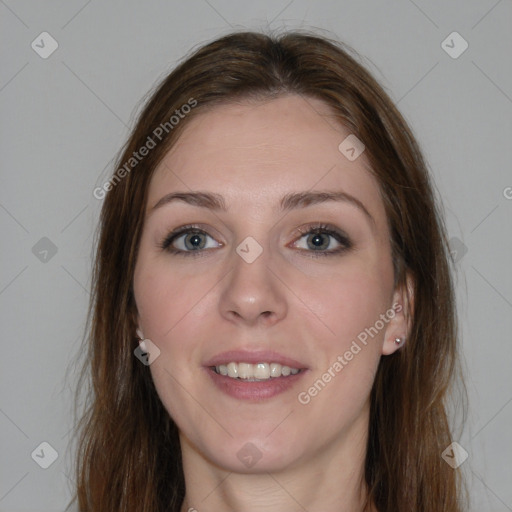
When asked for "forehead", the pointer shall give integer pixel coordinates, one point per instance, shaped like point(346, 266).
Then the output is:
point(255, 152)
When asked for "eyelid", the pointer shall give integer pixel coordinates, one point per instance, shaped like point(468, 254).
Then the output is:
point(328, 229)
point(166, 243)
point(316, 227)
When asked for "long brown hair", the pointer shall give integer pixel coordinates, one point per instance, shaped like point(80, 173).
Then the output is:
point(129, 455)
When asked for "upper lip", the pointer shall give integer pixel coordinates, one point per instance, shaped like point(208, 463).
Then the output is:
point(254, 357)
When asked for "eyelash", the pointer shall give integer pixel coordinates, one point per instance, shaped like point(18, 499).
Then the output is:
point(312, 229)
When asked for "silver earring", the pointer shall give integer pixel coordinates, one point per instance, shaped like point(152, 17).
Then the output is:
point(399, 341)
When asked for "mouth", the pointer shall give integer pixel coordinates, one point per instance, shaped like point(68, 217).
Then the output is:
point(254, 376)
point(254, 372)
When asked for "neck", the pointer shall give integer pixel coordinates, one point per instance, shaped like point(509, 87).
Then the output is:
point(332, 480)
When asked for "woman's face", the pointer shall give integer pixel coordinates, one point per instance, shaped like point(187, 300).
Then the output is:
point(280, 258)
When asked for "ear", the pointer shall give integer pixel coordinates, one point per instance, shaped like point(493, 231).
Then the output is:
point(136, 321)
point(400, 322)
point(142, 340)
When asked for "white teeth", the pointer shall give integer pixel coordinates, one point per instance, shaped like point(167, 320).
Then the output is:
point(275, 370)
point(245, 371)
point(259, 371)
point(233, 370)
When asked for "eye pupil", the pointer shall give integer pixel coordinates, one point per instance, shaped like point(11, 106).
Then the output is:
point(194, 241)
point(319, 241)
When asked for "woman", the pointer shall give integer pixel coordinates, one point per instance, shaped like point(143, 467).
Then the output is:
point(273, 322)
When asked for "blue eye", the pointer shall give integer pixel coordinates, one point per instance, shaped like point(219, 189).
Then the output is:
point(323, 240)
point(320, 240)
point(188, 239)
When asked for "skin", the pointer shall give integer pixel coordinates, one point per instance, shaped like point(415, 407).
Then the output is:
point(305, 307)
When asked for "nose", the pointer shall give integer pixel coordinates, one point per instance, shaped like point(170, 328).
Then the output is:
point(253, 293)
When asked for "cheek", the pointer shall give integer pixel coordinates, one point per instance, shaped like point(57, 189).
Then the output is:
point(175, 312)
point(171, 308)
point(350, 304)
point(346, 301)
point(166, 299)
point(348, 352)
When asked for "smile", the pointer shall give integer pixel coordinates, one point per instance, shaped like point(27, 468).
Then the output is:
point(254, 372)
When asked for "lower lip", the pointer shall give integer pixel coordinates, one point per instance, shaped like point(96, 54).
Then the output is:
point(256, 390)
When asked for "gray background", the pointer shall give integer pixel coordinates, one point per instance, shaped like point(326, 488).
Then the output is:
point(65, 117)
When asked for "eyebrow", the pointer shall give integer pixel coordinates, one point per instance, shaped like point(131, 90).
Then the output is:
point(288, 202)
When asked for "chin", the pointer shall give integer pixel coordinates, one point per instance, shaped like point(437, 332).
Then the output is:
point(255, 454)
